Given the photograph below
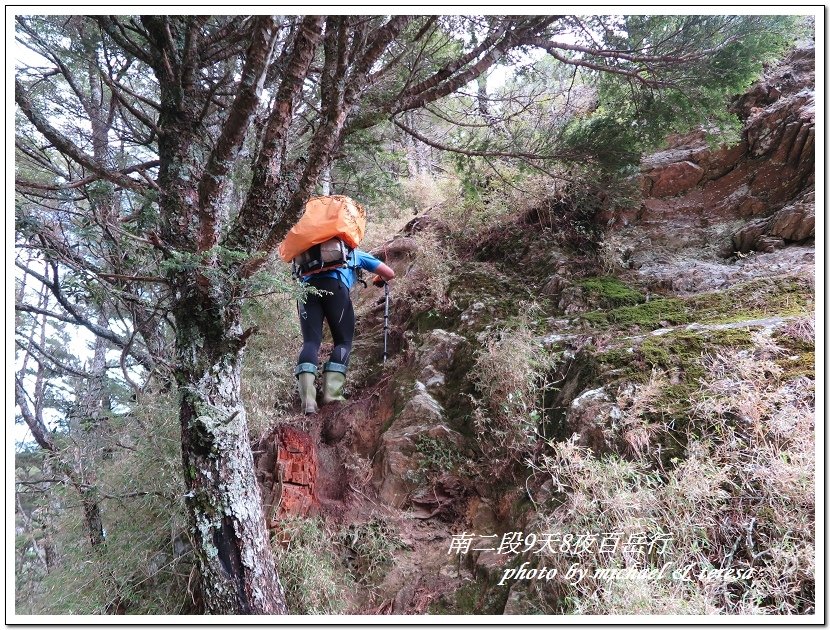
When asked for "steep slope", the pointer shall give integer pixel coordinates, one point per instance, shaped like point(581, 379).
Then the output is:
point(659, 387)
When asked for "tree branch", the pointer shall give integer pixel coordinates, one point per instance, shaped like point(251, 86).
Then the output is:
point(258, 210)
point(66, 146)
point(76, 317)
point(451, 83)
point(61, 367)
point(39, 431)
point(116, 31)
point(235, 128)
point(453, 65)
point(474, 152)
point(86, 180)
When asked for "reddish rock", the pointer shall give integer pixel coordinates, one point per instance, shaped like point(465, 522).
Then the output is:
point(776, 183)
point(795, 222)
point(675, 178)
point(772, 130)
point(745, 239)
point(286, 466)
point(690, 188)
point(724, 160)
point(751, 207)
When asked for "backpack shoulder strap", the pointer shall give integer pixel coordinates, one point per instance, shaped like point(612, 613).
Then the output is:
point(358, 270)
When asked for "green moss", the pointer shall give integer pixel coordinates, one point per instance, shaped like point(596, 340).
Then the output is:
point(793, 344)
point(620, 364)
point(474, 598)
point(796, 366)
point(431, 319)
point(757, 299)
point(800, 359)
point(683, 350)
point(459, 390)
point(678, 353)
point(653, 314)
point(611, 290)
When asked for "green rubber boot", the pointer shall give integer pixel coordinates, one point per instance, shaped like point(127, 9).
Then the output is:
point(305, 373)
point(334, 378)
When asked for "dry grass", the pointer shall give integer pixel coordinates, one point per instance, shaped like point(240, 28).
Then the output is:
point(509, 373)
point(741, 498)
point(422, 192)
point(800, 329)
point(638, 403)
point(309, 566)
point(426, 283)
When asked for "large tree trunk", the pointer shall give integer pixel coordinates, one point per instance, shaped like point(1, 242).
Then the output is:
point(238, 574)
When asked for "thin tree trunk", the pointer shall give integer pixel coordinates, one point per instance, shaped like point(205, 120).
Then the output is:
point(411, 149)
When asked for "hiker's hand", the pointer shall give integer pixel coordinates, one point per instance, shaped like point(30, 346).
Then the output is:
point(378, 281)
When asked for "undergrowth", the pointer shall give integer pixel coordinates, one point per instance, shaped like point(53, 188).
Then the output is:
point(310, 568)
point(740, 498)
point(509, 373)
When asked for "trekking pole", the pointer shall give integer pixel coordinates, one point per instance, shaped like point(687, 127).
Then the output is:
point(385, 320)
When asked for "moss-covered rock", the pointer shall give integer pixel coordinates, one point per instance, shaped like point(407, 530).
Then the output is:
point(756, 299)
point(611, 291)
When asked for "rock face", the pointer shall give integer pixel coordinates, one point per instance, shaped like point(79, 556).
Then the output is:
point(591, 415)
point(689, 187)
point(286, 469)
point(674, 178)
point(421, 417)
point(398, 455)
point(793, 223)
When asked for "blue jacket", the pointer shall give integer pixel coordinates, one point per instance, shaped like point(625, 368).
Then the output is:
point(348, 275)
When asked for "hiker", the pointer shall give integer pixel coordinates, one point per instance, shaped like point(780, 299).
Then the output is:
point(335, 305)
point(322, 248)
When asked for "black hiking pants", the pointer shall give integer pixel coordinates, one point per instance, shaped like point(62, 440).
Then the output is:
point(335, 306)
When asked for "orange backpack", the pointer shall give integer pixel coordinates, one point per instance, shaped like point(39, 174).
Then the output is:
point(336, 222)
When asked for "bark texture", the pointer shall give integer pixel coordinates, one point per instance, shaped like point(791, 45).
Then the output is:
point(230, 538)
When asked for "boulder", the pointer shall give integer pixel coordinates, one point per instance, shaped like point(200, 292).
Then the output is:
point(399, 249)
point(555, 285)
point(745, 239)
point(438, 351)
point(793, 74)
point(773, 130)
point(793, 223)
point(426, 222)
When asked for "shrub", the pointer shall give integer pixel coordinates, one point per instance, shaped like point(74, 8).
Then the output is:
point(145, 563)
point(369, 547)
point(270, 358)
point(425, 284)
